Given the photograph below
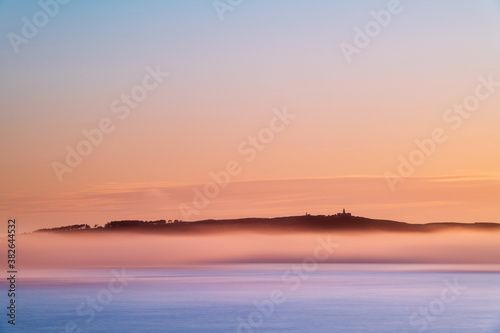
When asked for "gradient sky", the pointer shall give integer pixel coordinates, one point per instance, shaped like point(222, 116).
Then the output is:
point(352, 121)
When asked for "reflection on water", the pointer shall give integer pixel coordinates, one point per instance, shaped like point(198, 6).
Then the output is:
point(261, 298)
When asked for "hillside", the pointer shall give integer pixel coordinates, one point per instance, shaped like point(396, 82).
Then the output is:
point(290, 224)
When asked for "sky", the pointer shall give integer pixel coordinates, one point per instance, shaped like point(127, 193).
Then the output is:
point(263, 89)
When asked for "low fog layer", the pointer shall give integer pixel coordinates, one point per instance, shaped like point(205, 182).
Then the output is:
point(142, 250)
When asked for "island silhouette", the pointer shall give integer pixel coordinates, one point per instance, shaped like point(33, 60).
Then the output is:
point(289, 224)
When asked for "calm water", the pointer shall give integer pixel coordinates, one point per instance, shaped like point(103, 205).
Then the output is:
point(329, 298)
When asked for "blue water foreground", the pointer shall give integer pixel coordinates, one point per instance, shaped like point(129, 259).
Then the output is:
point(258, 298)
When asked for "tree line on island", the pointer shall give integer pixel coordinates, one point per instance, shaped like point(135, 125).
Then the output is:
point(304, 223)
point(110, 225)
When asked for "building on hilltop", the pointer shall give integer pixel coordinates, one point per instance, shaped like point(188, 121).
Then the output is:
point(343, 214)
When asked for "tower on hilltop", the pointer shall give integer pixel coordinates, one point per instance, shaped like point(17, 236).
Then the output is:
point(343, 214)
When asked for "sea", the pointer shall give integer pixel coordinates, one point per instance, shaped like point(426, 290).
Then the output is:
point(301, 297)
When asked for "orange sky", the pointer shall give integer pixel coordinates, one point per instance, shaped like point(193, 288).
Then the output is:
point(418, 200)
point(351, 121)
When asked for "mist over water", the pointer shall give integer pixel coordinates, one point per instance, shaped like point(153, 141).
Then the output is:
point(146, 250)
point(328, 282)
